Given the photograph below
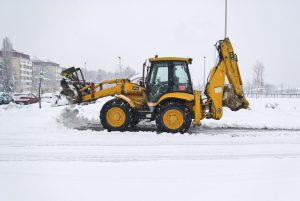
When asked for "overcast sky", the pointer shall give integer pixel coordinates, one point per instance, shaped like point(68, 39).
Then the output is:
point(71, 32)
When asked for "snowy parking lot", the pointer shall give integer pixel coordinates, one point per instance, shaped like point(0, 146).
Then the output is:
point(63, 153)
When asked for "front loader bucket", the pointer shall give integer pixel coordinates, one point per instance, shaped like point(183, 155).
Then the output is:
point(72, 83)
point(69, 92)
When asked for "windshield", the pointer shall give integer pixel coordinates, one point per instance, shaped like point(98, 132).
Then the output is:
point(159, 73)
point(159, 81)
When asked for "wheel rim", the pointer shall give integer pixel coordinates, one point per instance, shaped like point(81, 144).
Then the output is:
point(173, 119)
point(115, 117)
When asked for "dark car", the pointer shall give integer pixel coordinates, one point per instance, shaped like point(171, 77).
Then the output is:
point(5, 98)
point(26, 99)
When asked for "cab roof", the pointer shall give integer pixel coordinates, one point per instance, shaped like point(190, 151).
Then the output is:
point(188, 60)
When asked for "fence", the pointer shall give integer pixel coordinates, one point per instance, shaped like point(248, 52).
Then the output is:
point(286, 95)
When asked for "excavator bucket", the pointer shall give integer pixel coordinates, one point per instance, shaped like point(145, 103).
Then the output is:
point(231, 100)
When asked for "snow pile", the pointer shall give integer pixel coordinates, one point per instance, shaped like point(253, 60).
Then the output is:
point(262, 114)
point(69, 117)
point(271, 105)
point(12, 105)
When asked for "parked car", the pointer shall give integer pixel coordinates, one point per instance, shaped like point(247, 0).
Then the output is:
point(26, 99)
point(5, 98)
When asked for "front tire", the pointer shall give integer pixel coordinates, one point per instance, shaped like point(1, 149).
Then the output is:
point(116, 115)
point(173, 117)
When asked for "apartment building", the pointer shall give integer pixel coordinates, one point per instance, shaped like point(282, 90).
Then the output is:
point(51, 73)
point(22, 71)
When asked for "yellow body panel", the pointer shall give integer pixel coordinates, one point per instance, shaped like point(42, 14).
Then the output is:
point(128, 100)
point(132, 93)
point(177, 95)
point(197, 108)
point(215, 88)
point(103, 93)
point(130, 88)
point(138, 100)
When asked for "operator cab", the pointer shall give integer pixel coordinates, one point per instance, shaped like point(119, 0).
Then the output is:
point(166, 75)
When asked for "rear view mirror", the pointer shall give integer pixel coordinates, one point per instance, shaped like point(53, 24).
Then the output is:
point(141, 83)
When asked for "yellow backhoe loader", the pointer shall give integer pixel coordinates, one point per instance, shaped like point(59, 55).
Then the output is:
point(164, 94)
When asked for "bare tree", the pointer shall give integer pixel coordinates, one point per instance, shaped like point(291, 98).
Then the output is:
point(258, 75)
point(247, 87)
point(269, 89)
point(128, 72)
point(7, 80)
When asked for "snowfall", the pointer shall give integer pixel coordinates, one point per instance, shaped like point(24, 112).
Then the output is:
point(63, 154)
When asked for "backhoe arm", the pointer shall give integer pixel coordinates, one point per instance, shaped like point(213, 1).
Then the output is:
point(219, 95)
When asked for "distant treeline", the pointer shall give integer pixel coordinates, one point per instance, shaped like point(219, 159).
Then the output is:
point(99, 75)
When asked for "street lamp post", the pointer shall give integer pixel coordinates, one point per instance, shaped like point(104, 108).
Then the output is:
point(225, 18)
point(204, 58)
point(120, 64)
point(41, 77)
point(85, 69)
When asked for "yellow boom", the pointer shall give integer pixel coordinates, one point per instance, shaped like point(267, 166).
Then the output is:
point(228, 66)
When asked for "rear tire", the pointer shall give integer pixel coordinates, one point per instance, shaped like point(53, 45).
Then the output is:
point(116, 115)
point(173, 117)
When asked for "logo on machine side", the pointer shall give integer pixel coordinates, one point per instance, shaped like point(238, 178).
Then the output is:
point(135, 88)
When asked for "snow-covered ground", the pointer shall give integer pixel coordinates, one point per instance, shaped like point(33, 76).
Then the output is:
point(63, 153)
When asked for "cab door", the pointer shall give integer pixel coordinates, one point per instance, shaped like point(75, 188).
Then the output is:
point(157, 83)
point(181, 81)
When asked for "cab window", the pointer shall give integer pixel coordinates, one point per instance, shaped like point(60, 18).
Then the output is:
point(159, 81)
point(181, 81)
